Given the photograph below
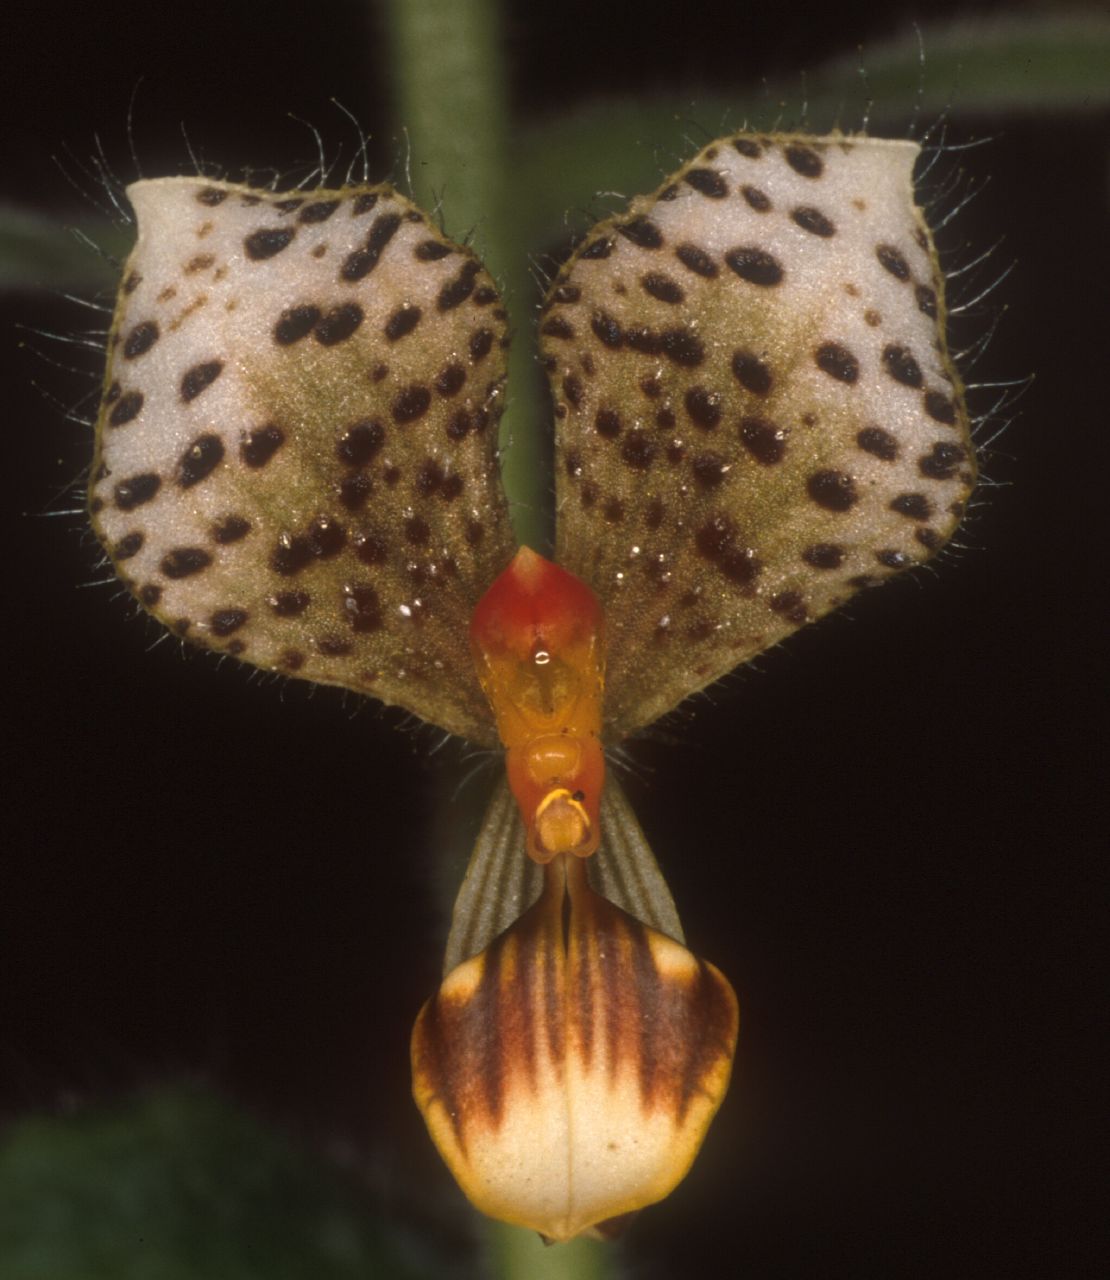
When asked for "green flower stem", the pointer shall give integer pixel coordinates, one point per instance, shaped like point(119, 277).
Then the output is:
point(450, 94)
point(517, 1254)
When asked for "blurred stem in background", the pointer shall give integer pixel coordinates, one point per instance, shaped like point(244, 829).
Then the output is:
point(451, 97)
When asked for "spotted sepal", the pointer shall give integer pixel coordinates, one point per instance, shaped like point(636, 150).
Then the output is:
point(296, 457)
point(757, 414)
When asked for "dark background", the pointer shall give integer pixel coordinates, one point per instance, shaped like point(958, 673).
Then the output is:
point(883, 832)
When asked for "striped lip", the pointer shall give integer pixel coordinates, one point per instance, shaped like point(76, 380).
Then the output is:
point(569, 1072)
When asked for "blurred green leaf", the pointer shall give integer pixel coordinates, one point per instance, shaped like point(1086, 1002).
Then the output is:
point(179, 1185)
point(981, 68)
point(39, 251)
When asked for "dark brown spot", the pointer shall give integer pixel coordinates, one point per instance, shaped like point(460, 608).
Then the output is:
point(651, 387)
point(416, 531)
point(707, 182)
point(291, 660)
point(360, 262)
point(260, 445)
point(199, 460)
point(748, 147)
point(429, 476)
point(940, 407)
point(296, 323)
point(457, 290)
point(739, 565)
point(129, 545)
point(789, 605)
point(136, 490)
point(752, 374)
point(837, 361)
point(230, 528)
point(211, 196)
point(880, 443)
point(291, 555)
point(289, 604)
point(132, 282)
point(755, 265)
point(638, 449)
point(480, 344)
point(926, 300)
point(760, 201)
point(338, 324)
point(642, 232)
point(929, 538)
point(362, 606)
point(696, 260)
point(112, 394)
point(402, 322)
point(941, 462)
point(360, 442)
point(450, 489)
point(150, 595)
point(654, 514)
point(644, 340)
point(824, 555)
point(572, 389)
point(459, 426)
point(717, 534)
point(683, 346)
point(557, 327)
point(355, 491)
point(600, 248)
point(325, 538)
point(140, 339)
point(763, 440)
point(899, 362)
point(183, 562)
point(914, 506)
point(833, 490)
point(290, 204)
point(893, 261)
point(704, 407)
point(411, 403)
point(607, 423)
point(813, 221)
point(613, 510)
point(224, 621)
point(606, 328)
point(892, 559)
point(710, 469)
point(199, 378)
point(804, 160)
point(370, 548)
point(319, 211)
point(662, 287)
point(431, 251)
point(449, 381)
point(126, 408)
point(267, 242)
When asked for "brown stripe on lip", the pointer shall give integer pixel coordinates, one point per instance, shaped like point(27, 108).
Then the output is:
point(569, 1072)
